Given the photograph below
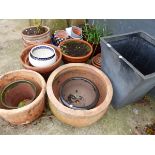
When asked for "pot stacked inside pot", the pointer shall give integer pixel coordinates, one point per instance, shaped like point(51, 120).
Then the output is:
point(42, 56)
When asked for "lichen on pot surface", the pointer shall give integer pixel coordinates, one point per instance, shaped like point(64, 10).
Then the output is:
point(78, 118)
point(33, 110)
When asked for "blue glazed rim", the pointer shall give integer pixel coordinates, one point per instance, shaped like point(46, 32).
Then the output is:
point(42, 47)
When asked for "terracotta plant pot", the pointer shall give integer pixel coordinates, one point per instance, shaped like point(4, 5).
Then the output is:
point(96, 61)
point(44, 70)
point(77, 59)
point(33, 110)
point(32, 39)
point(78, 118)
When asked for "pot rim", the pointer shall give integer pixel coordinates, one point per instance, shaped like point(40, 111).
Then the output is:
point(35, 101)
point(33, 36)
point(38, 68)
point(72, 112)
point(79, 57)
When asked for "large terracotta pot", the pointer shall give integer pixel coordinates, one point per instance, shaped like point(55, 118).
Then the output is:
point(78, 118)
point(76, 59)
point(34, 39)
point(45, 70)
point(29, 112)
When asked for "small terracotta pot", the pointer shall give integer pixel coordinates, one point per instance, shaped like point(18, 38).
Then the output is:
point(96, 61)
point(36, 39)
point(78, 118)
point(33, 110)
point(44, 70)
point(80, 58)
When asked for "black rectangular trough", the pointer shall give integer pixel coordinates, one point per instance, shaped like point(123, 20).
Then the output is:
point(129, 62)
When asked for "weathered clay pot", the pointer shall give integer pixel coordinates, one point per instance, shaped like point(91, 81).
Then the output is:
point(44, 70)
point(34, 39)
point(31, 111)
point(76, 59)
point(78, 118)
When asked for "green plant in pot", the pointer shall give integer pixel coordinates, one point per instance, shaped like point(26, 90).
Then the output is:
point(92, 34)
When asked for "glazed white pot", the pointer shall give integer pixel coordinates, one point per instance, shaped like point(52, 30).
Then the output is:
point(42, 56)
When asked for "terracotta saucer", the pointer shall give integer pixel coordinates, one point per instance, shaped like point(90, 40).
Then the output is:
point(96, 61)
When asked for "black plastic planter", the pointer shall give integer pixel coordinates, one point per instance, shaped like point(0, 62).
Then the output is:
point(129, 61)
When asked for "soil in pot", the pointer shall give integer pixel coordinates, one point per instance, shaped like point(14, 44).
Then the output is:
point(34, 31)
point(18, 94)
point(79, 93)
point(75, 49)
